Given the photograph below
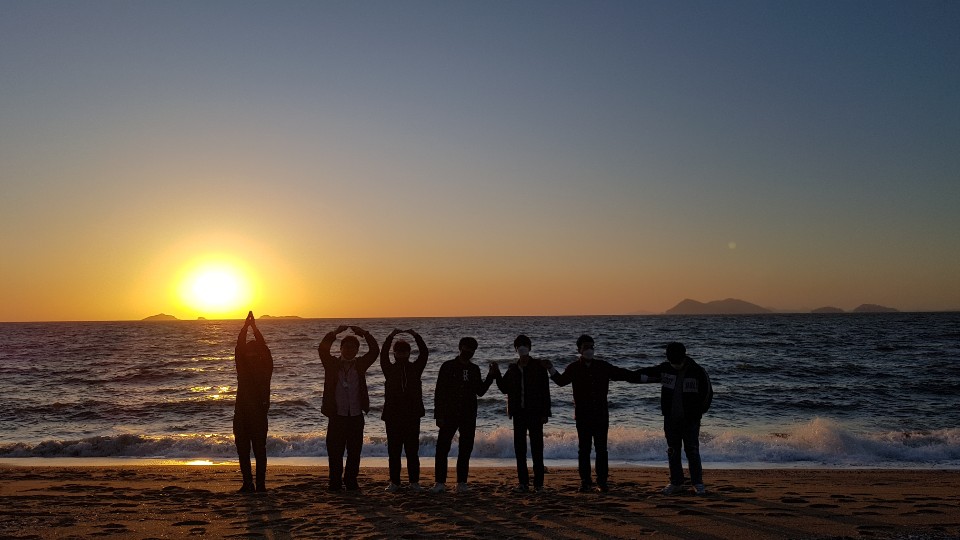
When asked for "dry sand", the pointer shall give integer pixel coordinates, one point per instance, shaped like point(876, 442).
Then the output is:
point(179, 501)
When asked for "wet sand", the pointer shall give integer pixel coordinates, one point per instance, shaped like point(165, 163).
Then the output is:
point(178, 501)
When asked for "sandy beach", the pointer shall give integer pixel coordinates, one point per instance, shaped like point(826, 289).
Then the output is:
point(177, 501)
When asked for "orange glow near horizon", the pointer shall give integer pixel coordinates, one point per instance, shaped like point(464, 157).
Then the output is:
point(215, 286)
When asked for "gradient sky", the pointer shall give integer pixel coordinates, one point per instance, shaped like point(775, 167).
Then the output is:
point(479, 158)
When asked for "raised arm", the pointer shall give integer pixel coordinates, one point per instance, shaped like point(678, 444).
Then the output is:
point(503, 381)
point(622, 374)
point(423, 354)
point(385, 351)
point(242, 338)
point(367, 360)
point(562, 379)
point(485, 384)
point(324, 348)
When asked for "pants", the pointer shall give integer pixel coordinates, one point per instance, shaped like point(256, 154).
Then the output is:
point(593, 432)
point(684, 432)
point(344, 433)
point(468, 430)
point(403, 434)
point(524, 422)
point(249, 432)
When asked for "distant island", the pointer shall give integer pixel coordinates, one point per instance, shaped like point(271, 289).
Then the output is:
point(160, 317)
point(730, 306)
point(279, 317)
point(873, 308)
point(828, 309)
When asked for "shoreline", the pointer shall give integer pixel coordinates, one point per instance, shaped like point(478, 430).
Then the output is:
point(155, 501)
point(375, 462)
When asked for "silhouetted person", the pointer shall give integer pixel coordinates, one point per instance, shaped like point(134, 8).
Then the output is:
point(527, 386)
point(591, 383)
point(403, 405)
point(345, 401)
point(254, 370)
point(459, 384)
point(685, 395)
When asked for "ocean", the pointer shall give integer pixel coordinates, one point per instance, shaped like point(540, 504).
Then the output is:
point(792, 390)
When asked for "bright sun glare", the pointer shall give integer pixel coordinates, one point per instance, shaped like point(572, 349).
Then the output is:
point(216, 288)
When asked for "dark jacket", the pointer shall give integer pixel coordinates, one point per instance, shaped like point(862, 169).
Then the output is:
point(331, 373)
point(402, 387)
point(693, 382)
point(591, 383)
point(534, 382)
point(253, 377)
point(459, 384)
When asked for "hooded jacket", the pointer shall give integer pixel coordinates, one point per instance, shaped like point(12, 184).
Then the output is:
point(691, 379)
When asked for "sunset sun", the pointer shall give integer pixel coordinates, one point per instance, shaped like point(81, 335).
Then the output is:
point(216, 288)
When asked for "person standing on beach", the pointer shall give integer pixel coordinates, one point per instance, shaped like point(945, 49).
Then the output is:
point(685, 395)
point(254, 370)
point(527, 386)
point(459, 384)
point(591, 383)
point(345, 401)
point(403, 405)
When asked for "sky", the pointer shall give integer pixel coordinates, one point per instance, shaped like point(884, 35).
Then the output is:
point(453, 158)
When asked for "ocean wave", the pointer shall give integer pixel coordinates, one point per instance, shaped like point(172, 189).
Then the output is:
point(819, 442)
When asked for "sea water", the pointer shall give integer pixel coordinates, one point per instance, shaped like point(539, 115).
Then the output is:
point(863, 390)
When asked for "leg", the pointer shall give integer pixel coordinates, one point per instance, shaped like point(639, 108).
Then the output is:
point(600, 443)
point(691, 445)
point(394, 446)
point(467, 433)
point(336, 443)
point(241, 438)
point(536, 450)
point(411, 445)
point(260, 452)
point(520, 448)
point(354, 449)
point(674, 438)
point(444, 440)
point(585, 439)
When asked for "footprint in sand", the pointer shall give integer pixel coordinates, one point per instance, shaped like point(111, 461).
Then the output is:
point(190, 523)
point(793, 500)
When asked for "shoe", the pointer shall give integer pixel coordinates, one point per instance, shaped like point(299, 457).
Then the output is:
point(522, 488)
point(701, 490)
point(415, 488)
point(247, 488)
point(671, 489)
point(334, 488)
point(392, 488)
point(602, 488)
point(538, 489)
point(439, 487)
point(462, 487)
point(261, 488)
point(585, 488)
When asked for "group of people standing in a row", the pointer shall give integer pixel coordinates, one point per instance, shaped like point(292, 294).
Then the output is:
point(686, 394)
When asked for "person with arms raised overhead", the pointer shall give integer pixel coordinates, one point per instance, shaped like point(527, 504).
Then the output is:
point(459, 384)
point(345, 401)
point(527, 386)
point(403, 405)
point(591, 382)
point(254, 370)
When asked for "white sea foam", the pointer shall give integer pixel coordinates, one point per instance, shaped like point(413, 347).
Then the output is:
point(819, 442)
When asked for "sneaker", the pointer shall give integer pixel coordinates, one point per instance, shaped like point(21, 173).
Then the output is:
point(439, 487)
point(462, 487)
point(671, 489)
point(585, 488)
point(415, 488)
point(602, 488)
point(538, 489)
point(247, 488)
point(522, 488)
point(701, 490)
point(392, 488)
point(334, 488)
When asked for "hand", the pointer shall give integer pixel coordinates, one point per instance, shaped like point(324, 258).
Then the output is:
point(340, 329)
point(547, 365)
point(358, 331)
point(494, 368)
point(410, 331)
point(543, 419)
